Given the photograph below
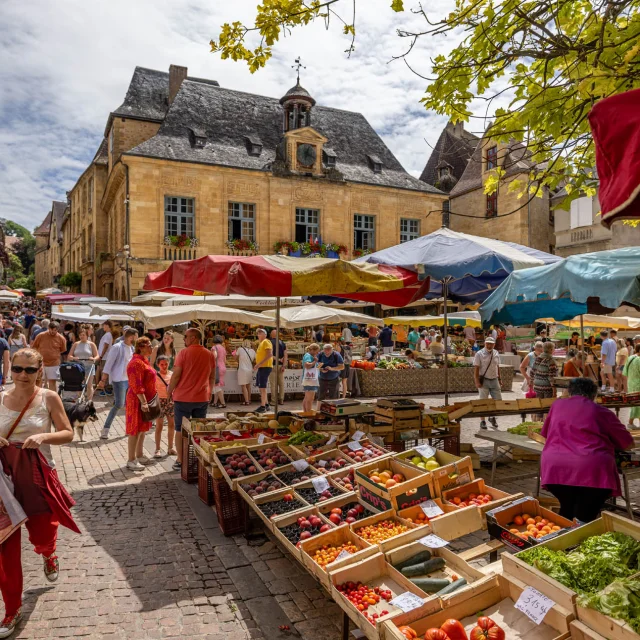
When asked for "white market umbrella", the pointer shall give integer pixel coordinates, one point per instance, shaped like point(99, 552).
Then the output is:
point(313, 314)
point(234, 300)
point(464, 318)
point(82, 313)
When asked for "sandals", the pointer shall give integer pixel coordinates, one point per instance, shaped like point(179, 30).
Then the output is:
point(172, 452)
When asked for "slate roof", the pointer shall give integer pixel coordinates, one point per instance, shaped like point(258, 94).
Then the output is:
point(148, 96)
point(515, 161)
point(454, 147)
point(45, 226)
point(230, 117)
point(102, 154)
point(297, 91)
point(58, 208)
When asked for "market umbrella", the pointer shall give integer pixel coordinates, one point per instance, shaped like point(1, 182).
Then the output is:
point(43, 293)
point(238, 301)
point(462, 264)
point(463, 318)
point(596, 282)
point(281, 276)
point(595, 321)
point(313, 314)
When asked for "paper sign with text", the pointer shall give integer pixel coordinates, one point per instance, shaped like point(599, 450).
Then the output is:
point(407, 601)
point(332, 439)
point(534, 604)
point(320, 484)
point(431, 509)
point(235, 432)
point(433, 542)
point(354, 445)
point(358, 435)
point(342, 555)
point(261, 438)
point(300, 465)
point(426, 451)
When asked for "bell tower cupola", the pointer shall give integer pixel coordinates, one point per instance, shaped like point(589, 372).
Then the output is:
point(296, 104)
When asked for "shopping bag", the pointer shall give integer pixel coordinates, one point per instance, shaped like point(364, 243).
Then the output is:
point(12, 514)
point(310, 377)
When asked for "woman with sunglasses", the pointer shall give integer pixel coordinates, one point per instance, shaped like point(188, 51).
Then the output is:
point(27, 414)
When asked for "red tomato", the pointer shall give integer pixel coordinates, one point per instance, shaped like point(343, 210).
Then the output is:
point(487, 629)
point(454, 629)
point(436, 634)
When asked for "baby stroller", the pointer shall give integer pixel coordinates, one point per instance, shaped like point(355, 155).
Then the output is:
point(72, 390)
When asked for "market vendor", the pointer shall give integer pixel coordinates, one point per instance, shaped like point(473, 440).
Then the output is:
point(411, 359)
point(578, 464)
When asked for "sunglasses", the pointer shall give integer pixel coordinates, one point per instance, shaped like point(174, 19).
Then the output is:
point(28, 370)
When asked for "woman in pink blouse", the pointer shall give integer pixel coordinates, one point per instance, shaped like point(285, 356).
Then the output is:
point(578, 464)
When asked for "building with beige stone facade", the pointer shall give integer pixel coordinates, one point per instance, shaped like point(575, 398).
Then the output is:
point(49, 237)
point(190, 168)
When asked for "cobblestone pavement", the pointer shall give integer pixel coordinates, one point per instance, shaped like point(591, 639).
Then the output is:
point(151, 561)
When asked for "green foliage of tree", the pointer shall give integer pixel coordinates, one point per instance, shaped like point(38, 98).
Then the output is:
point(72, 280)
point(25, 282)
point(556, 58)
point(14, 229)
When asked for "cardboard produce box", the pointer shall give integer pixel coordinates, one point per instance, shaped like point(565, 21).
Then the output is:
point(374, 572)
point(494, 598)
point(501, 525)
point(416, 488)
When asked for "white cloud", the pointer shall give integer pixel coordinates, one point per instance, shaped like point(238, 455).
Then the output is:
point(67, 64)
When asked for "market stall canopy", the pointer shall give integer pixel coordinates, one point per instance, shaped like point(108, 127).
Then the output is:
point(46, 292)
point(83, 313)
point(615, 124)
point(160, 317)
point(10, 295)
point(592, 320)
point(23, 290)
point(596, 282)
point(313, 314)
point(462, 318)
point(237, 301)
point(282, 276)
point(84, 298)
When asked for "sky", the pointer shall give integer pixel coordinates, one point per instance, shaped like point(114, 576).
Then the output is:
point(65, 65)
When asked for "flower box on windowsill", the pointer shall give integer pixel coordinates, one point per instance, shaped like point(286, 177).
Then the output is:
point(181, 242)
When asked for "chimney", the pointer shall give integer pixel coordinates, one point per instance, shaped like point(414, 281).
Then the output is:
point(176, 75)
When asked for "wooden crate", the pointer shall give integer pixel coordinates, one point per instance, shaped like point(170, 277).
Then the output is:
point(453, 475)
point(253, 450)
point(341, 492)
point(233, 482)
point(479, 486)
point(328, 457)
point(414, 533)
point(417, 487)
point(294, 550)
point(374, 572)
point(529, 403)
point(580, 631)
point(455, 567)
point(445, 460)
point(534, 435)
point(507, 405)
point(243, 490)
point(277, 495)
point(565, 596)
point(545, 403)
point(494, 597)
point(483, 405)
point(309, 471)
point(338, 536)
point(347, 498)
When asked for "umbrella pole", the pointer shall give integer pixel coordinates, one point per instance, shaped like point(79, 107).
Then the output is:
point(445, 287)
point(582, 332)
point(277, 354)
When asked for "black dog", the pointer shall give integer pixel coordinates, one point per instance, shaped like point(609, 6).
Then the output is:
point(79, 413)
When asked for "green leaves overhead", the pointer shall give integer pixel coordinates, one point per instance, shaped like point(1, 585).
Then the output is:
point(546, 62)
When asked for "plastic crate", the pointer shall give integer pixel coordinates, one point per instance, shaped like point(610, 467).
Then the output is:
point(205, 484)
point(231, 509)
point(189, 470)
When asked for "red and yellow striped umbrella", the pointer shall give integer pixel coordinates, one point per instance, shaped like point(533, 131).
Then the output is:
point(281, 276)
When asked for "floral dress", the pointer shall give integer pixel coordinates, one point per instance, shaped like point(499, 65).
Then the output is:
point(632, 371)
point(543, 372)
point(142, 379)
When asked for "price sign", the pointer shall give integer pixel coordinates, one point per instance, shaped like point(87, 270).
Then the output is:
point(332, 439)
point(235, 432)
point(261, 438)
point(300, 465)
point(431, 509)
point(426, 451)
point(322, 463)
point(463, 478)
point(320, 484)
point(534, 604)
point(358, 435)
point(342, 555)
point(433, 542)
point(407, 601)
point(354, 445)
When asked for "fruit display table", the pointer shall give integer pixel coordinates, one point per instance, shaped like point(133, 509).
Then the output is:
point(393, 382)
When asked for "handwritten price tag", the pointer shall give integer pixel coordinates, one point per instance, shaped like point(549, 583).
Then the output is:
point(354, 445)
point(342, 555)
point(431, 509)
point(235, 432)
point(426, 451)
point(300, 465)
point(358, 435)
point(534, 604)
point(322, 463)
point(433, 542)
point(463, 478)
point(332, 439)
point(320, 484)
point(261, 438)
point(407, 601)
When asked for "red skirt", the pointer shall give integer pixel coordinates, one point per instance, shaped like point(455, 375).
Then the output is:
point(36, 485)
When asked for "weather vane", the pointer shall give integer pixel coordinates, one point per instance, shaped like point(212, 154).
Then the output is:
point(297, 66)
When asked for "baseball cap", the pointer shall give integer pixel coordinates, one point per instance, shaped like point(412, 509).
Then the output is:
point(637, 337)
point(490, 339)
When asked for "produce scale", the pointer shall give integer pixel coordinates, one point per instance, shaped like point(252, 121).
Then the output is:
point(377, 528)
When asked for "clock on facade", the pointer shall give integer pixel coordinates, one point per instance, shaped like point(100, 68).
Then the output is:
point(306, 155)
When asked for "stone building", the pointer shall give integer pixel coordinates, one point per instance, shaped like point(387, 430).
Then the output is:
point(191, 168)
point(48, 258)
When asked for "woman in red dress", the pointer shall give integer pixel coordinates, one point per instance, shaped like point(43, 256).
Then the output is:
point(142, 389)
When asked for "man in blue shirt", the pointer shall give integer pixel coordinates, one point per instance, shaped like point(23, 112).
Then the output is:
point(331, 364)
point(386, 340)
point(608, 358)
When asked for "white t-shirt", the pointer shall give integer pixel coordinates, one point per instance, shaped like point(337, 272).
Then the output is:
point(347, 335)
point(246, 358)
point(107, 339)
point(488, 362)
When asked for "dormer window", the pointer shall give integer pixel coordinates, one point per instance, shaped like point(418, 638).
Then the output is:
point(329, 158)
point(492, 157)
point(197, 137)
point(375, 163)
point(254, 145)
point(443, 172)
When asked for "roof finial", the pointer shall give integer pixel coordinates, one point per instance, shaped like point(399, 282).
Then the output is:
point(297, 67)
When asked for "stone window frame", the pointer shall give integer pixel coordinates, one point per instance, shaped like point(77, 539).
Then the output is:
point(365, 224)
point(492, 205)
point(236, 212)
point(492, 157)
point(185, 220)
point(407, 233)
point(307, 223)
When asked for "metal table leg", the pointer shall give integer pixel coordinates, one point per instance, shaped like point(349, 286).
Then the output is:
point(627, 497)
point(494, 462)
point(345, 626)
point(538, 480)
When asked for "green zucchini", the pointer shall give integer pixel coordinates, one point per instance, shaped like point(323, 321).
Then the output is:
point(430, 585)
point(424, 568)
point(422, 556)
point(454, 586)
